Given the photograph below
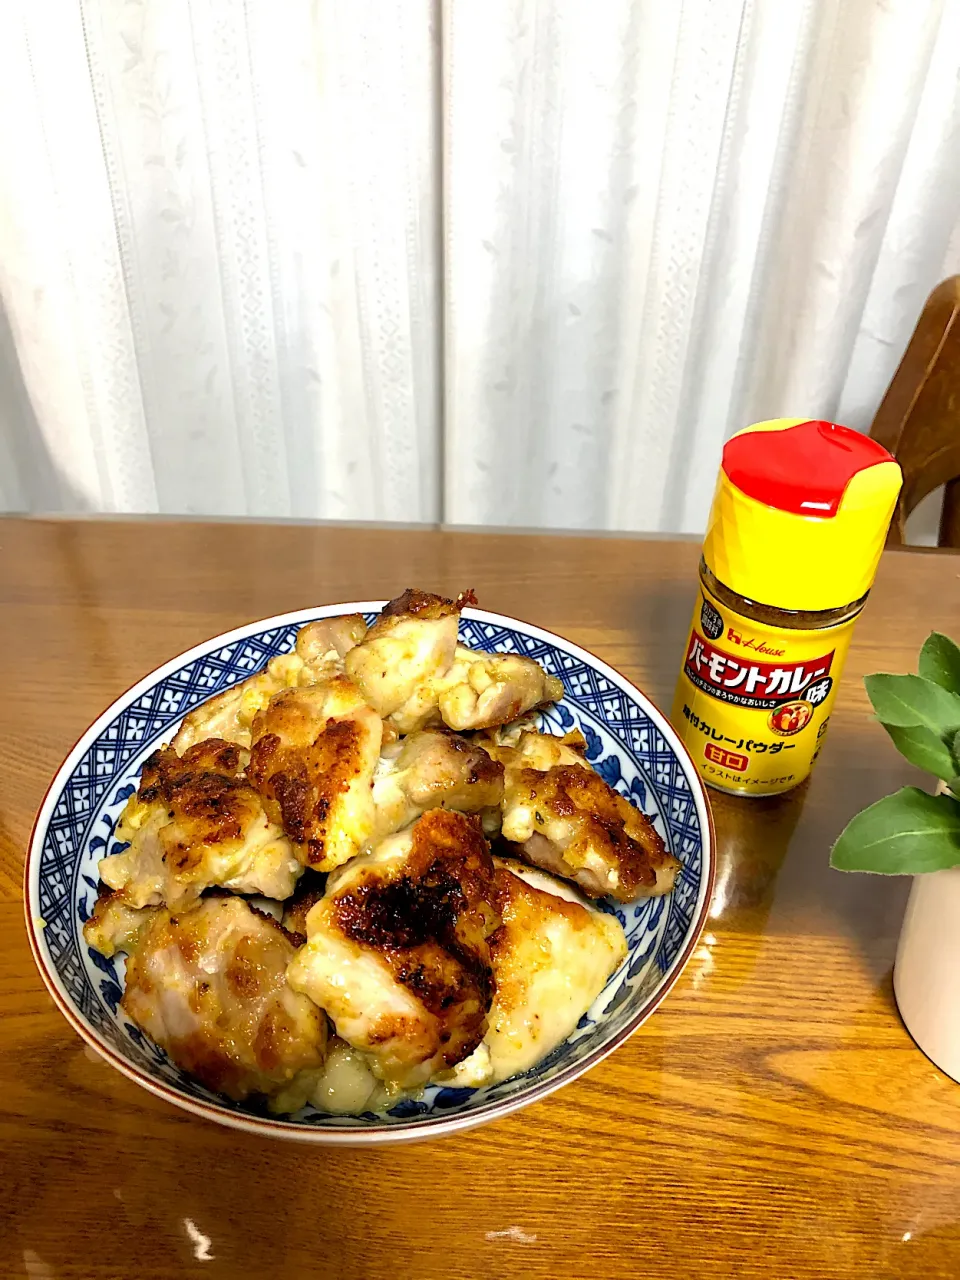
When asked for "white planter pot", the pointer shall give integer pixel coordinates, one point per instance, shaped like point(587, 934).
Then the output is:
point(926, 976)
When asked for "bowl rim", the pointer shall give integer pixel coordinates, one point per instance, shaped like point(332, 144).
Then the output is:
point(434, 1126)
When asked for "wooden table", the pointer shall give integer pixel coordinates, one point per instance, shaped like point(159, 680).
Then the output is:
point(772, 1120)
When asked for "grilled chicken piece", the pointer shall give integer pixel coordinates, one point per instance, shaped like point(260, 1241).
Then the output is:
point(411, 643)
point(193, 824)
point(209, 986)
point(398, 949)
point(563, 817)
point(413, 672)
point(481, 690)
point(114, 925)
point(313, 758)
point(318, 654)
point(551, 958)
point(434, 769)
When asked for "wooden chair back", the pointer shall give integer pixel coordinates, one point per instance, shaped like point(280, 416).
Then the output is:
point(919, 417)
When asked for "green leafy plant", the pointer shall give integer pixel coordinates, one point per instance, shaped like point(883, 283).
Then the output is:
point(912, 832)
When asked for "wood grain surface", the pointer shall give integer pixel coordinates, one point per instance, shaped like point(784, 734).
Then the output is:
point(773, 1119)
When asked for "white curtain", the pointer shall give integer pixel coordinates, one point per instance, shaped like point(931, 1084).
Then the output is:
point(493, 261)
point(218, 256)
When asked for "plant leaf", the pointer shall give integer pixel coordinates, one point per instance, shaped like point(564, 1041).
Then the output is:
point(922, 747)
point(904, 834)
point(940, 661)
point(912, 700)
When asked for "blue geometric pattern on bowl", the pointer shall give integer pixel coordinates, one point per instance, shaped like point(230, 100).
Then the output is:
point(623, 743)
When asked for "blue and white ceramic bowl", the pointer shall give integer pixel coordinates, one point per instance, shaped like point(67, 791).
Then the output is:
point(629, 742)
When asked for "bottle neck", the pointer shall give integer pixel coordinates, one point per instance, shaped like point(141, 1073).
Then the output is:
point(768, 615)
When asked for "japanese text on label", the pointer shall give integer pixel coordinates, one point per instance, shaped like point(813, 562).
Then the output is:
point(754, 684)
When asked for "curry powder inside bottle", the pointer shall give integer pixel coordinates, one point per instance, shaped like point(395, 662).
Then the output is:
point(795, 534)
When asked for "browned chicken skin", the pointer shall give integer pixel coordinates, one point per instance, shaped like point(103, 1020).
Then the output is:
point(313, 758)
point(195, 823)
point(551, 958)
point(591, 834)
point(560, 815)
point(398, 949)
point(414, 603)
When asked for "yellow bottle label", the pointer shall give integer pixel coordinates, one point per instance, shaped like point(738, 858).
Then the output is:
point(753, 701)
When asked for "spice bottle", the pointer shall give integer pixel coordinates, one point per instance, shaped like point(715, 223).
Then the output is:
point(798, 523)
